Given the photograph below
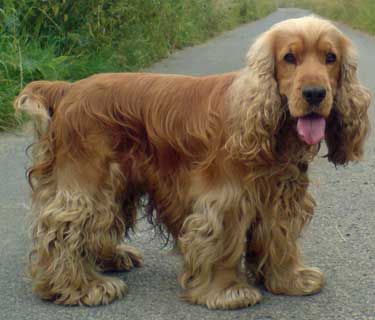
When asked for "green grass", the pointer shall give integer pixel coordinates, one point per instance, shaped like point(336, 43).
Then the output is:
point(359, 14)
point(69, 39)
point(72, 39)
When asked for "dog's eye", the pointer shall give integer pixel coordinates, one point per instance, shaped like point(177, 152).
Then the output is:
point(330, 58)
point(290, 58)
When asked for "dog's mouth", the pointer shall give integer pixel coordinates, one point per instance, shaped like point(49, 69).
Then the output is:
point(311, 128)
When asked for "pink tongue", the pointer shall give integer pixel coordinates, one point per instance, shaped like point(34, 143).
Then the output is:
point(311, 129)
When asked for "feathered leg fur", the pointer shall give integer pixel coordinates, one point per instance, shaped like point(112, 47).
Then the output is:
point(77, 228)
point(76, 233)
point(273, 254)
point(212, 243)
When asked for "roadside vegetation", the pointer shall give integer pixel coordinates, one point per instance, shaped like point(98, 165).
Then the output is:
point(69, 39)
point(359, 14)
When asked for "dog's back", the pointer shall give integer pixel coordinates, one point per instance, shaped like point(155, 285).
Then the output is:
point(168, 110)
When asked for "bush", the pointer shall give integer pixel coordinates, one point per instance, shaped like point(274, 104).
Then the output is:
point(358, 13)
point(69, 39)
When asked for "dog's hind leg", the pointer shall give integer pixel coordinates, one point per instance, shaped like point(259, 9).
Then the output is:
point(212, 244)
point(110, 251)
point(76, 226)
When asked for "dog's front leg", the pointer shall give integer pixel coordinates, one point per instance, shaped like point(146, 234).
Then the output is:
point(212, 243)
point(273, 254)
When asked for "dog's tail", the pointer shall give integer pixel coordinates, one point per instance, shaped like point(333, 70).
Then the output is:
point(39, 101)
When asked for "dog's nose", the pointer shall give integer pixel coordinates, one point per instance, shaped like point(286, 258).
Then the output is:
point(314, 95)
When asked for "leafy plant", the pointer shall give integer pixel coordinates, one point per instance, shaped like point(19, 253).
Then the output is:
point(69, 39)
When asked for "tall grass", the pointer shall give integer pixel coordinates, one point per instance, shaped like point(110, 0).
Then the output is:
point(69, 39)
point(359, 14)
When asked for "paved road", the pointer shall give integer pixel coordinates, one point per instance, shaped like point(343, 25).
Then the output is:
point(340, 239)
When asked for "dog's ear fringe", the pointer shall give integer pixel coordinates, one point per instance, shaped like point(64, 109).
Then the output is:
point(256, 106)
point(348, 124)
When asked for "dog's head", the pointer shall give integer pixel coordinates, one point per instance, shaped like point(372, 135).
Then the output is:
point(310, 66)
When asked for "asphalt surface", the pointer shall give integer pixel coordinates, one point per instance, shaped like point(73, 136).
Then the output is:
point(340, 240)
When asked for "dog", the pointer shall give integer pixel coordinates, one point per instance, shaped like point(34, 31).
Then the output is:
point(223, 160)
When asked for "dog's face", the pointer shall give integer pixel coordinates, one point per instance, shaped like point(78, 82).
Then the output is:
point(307, 69)
point(310, 67)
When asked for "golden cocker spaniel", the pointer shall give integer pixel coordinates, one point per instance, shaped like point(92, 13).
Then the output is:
point(222, 159)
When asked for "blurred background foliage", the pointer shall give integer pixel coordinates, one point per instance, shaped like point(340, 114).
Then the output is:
point(359, 14)
point(70, 39)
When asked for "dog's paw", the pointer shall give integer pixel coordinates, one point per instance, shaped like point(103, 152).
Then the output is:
point(309, 280)
point(237, 296)
point(304, 281)
point(128, 257)
point(104, 291)
point(125, 259)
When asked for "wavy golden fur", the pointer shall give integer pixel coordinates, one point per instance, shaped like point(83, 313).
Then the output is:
point(220, 158)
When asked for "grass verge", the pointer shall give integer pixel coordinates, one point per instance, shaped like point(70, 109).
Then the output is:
point(359, 14)
point(69, 39)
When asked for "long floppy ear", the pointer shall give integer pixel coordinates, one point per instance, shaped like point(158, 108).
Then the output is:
point(348, 124)
point(256, 105)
